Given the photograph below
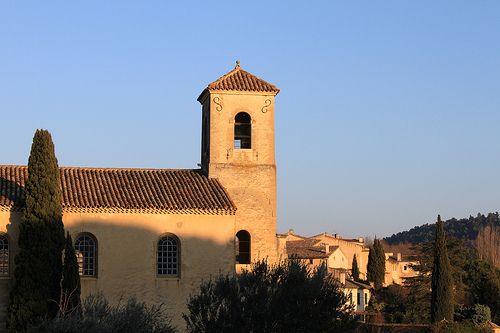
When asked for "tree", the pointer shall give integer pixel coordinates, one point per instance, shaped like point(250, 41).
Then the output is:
point(376, 264)
point(38, 271)
point(391, 301)
point(477, 314)
point(484, 282)
point(419, 298)
point(441, 282)
point(488, 244)
point(70, 285)
point(286, 297)
point(355, 269)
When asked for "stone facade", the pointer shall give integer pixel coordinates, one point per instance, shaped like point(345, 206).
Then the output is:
point(398, 268)
point(126, 253)
point(248, 173)
point(127, 212)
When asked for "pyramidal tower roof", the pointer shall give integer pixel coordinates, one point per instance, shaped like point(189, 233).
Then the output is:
point(240, 80)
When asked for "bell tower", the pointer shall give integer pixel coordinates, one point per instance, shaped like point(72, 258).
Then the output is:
point(238, 148)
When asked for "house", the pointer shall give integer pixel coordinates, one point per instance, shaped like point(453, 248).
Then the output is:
point(316, 254)
point(490, 326)
point(347, 247)
point(313, 251)
point(398, 268)
point(156, 234)
point(359, 294)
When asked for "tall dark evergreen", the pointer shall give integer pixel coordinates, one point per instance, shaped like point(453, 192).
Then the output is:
point(376, 264)
point(71, 289)
point(355, 269)
point(441, 283)
point(36, 292)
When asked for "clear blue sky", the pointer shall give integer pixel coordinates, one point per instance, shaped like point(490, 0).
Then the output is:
point(388, 115)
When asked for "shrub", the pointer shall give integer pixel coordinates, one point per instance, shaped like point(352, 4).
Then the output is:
point(477, 314)
point(287, 297)
point(95, 315)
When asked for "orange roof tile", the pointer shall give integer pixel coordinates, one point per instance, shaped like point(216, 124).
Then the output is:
point(307, 249)
point(356, 285)
point(240, 80)
point(126, 189)
point(489, 325)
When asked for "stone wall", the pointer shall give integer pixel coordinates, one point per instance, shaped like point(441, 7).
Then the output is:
point(126, 255)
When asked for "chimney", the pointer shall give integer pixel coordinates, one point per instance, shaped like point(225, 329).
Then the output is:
point(327, 248)
point(342, 277)
point(399, 256)
point(361, 240)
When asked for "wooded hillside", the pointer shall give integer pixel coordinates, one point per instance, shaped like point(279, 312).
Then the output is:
point(465, 228)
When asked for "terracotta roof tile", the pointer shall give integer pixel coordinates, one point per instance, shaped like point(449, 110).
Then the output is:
point(356, 285)
point(241, 80)
point(129, 189)
point(307, 249)
point(489, 325)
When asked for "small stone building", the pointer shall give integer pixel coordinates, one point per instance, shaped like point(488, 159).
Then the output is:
point(398, 268)
point(156, 234)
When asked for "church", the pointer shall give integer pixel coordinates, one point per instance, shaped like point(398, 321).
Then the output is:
point(157, 233)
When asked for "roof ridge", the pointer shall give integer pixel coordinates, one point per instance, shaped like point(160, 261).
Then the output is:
point(130, 169)
point(242, 82)
point(102, 168)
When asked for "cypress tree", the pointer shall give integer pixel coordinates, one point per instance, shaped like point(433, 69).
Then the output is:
point(442, 306)
point(355, 269)
point(376, 264)
point(38, 271)
point(71, 290)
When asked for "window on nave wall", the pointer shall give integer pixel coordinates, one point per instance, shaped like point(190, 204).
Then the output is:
point(4, 256)
point(86, 254)
point(168, 255)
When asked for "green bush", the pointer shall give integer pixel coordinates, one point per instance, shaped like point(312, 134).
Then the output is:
point(476, 314)
point(95, 315)
point(288, 297)
point(451, 327)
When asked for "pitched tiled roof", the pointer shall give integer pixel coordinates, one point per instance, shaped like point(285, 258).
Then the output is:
point(241, 80)
point(356, 285)
point(307, 249)
point(154, 190)
point(489, 325)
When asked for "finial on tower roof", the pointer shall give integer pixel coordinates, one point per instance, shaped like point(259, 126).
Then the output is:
point(237, 64)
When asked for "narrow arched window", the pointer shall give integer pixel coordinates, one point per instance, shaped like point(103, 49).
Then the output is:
point(242, 131)
point(4, 256)
point(168, 254)
point(85, 248)
point(242, 247)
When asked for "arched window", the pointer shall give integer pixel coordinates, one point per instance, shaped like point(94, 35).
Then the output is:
point(242, 131)
point(4, 255)
point(242, 247)
point(85, 248)
point(168, 255)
